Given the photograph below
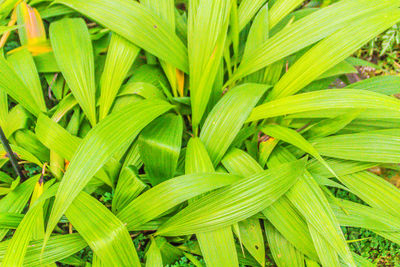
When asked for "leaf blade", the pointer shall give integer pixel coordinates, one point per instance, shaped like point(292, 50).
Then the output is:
point(144, 29)
point(128, 122)
point(74, 54)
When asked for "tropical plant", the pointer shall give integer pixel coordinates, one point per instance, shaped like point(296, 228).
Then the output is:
point(207, 130)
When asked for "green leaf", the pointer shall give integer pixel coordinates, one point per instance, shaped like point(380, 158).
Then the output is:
point(73, 50)
point(309, 30)
point(120, 57)
point(24, 66)
point(22, 154)
point(15, 201)
point(11, 83)
point(294, 138)
point(5, 29)
point(341, 167)
point(353, 214)
point(377, 220)
point(166, 11)
point(362, 62)
point(311, 202)
point(170, 193)
point(65, 105)
point(331, 126)
point(327, 254)
point(96, 262)
point(160, 145)
point(99, 146)
point(342, 68)
point(218, 246)
point(365, 125)
point(259, 33)
point(360, 261)
point(18, 245)
point(251, 236)
point(330, 52)
point(282, 214)
point(236, 158)
point(46, 63)
point(54, 136)
point(54, 11)
point(3, 107)
point(144, 89)
point(361, 147)
point(326, 100)
point(234, 203)
point(128, 188)
point(133, 157)
point(207, 27)
point(387, 85)
point(151, 74)
point(283, 252)
point(58, 247)
point(197, 159)
point(17, 119)
point(311, 263)
point(374, 190)
point(281, 9)
point(28, 140)
point(138, 24)
point(169, 253)
point(10, 220)
point(97, 226)
point(246, 11)
point(227, 117)
point(5, 178)
point(153, 255)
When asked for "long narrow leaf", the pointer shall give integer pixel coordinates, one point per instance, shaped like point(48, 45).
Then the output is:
point(280, 9)
point(58, 247)
point(207, 28)
point(328, 52)
point(24, 66)
point(168, 194)
point(159, 146)
point(282, 214)
point(99, 146)
point(227, 117)
point(74, 54)
point(309, 30)
point(361, 147)
point(238, 201)
point(97, 227)
point(138, 24)
point(283, 252)
point(325, 100)
point(11, 83)
point(120, 57)
point(218, 246)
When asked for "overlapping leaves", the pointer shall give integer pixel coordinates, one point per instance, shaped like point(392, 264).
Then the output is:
point(196, 130)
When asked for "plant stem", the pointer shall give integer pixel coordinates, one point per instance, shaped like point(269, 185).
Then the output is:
point(11, 155)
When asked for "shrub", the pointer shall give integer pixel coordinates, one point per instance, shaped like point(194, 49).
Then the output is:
point(206, 130)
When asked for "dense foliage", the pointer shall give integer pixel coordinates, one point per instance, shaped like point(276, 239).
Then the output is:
point(212, 132)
